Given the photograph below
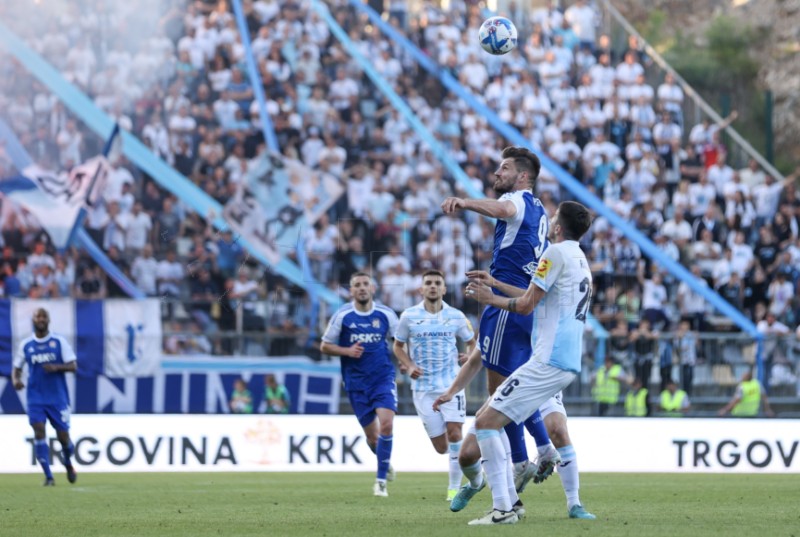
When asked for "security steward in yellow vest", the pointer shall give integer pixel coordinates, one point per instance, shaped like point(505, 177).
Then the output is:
point(606, 383)
point(746, 402)
point(674, 403)
point(637, 403)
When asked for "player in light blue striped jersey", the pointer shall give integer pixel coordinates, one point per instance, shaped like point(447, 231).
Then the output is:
point(425, 343)
point(48, 357)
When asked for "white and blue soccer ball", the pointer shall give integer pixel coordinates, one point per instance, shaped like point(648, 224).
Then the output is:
point(498, 36)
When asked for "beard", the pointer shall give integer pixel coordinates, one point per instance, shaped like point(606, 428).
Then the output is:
point(363, 301)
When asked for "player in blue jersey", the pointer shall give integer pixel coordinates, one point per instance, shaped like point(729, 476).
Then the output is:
point(425, 343)
point(48, 358)
point(504, 339)
point(560, 293)
point(359, 333)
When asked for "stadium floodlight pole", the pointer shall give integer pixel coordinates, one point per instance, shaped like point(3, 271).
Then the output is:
point(569, 182)
point(255, 79)
point(138, 153)
point(439, 151)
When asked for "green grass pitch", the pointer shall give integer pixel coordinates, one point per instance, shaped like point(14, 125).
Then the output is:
point(328, 504)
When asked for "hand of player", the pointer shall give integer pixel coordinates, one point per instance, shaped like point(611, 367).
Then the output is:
point(480, 276)
point(414, 372)
point(442, 399)
point(462, 358)
point(479, 292)
point(356, 350)
point(50, 368)
point(451, 205)
point(18, 384)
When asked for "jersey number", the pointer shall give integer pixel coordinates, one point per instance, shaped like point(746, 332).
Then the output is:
point(460, 402)
point(537, 252)
point(485, 346)
point(509, 387)
point(583, 306)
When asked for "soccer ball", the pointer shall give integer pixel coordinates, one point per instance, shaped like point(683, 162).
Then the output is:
point(498, 36)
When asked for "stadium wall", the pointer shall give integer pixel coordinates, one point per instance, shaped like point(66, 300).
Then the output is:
point(136, 443)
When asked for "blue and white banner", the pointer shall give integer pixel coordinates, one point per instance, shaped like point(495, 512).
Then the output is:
point(113, 337)
point(277, 199)
point(197, 385)
point(56, 200)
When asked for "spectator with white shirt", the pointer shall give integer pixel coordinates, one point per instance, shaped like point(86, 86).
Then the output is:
point(144, 270)
point(138, 230)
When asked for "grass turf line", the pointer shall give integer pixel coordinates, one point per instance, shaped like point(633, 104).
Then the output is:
point(332, 504)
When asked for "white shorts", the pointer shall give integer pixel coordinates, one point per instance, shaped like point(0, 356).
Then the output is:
point(454, 411)
point(529, 388)
point(554, 404)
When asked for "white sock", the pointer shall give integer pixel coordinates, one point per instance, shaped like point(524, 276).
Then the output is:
point(474, 474)
point(512, 489)
point(496, 465)
point(455, 469)
point(568, 472)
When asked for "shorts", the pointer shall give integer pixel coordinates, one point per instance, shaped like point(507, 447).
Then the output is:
point(364, 403)
point(505, 340)
point(454, 411)
point(528, 388)
point(554, 404)
point(56, 414)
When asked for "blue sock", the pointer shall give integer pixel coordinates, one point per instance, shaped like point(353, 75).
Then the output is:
point(43, 456)
point(516, 437)
point(67, 452)
point(384, 453)
point(535, 426)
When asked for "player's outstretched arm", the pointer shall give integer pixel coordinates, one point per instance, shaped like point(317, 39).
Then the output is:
point(464, 377)
point(405, 360)
point(353, 351)
point(523, 305)
point(485, 278)
point(492, 208)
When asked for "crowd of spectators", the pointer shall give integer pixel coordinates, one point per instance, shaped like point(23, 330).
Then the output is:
point(601, 112)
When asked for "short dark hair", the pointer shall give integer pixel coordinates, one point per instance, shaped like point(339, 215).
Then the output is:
point(525, 160)
point(574, 218)
point(433, 272)
point(358, 274)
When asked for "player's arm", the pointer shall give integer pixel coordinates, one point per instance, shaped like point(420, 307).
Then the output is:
point(503, 210)
point(69, 367)
point(353, 351)
point(485, 278)
point(17, 363)
point(464, 377)
point(523, 305)
point(405, 360)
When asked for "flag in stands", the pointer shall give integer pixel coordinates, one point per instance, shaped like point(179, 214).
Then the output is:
point(278, 197)
point(114, 338)
point(56, 200)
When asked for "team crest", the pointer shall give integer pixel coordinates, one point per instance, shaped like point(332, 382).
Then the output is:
point(544, 267)
point(52, 344)
point(376, 323)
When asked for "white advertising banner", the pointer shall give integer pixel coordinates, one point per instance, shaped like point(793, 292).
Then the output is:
point(137, 443)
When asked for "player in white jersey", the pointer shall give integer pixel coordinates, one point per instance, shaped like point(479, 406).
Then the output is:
point(425, 344)
point(560, 296)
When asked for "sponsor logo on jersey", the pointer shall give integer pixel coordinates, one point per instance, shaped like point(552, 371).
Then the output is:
point(43, 357)
point(544, 267)
point(376, 323)
point(366, 338)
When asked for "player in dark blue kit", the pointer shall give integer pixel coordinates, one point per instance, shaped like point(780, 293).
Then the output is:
point(359, 332)
point(48, 357)
point(504, 339)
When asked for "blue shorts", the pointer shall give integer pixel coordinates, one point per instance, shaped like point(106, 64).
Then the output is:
point(57, 415)
point(364, 403)
point(504, 339)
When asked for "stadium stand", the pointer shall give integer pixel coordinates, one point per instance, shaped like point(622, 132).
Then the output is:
point(605, 114)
